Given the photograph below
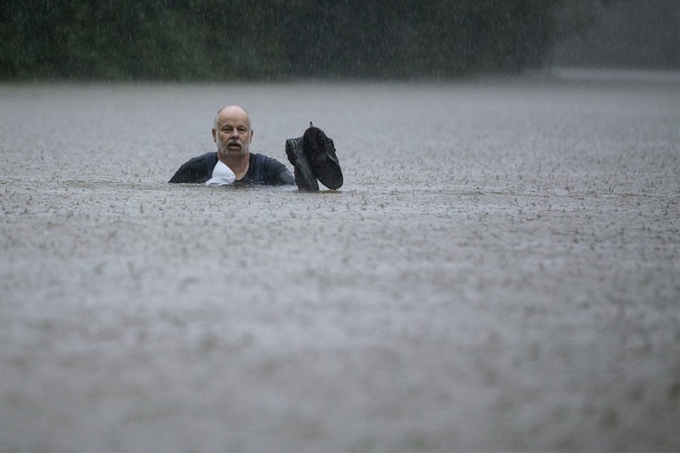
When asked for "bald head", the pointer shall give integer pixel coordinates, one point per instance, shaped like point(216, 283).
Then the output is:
point(231, 110)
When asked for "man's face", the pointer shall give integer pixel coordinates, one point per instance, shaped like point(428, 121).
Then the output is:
point(232, 134)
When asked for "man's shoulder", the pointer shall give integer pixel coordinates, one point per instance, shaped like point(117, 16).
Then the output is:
point(197, 169)
point(267, 170)
point(263, 161)
point(262, 157)
point(266, 162)
point(209, 156)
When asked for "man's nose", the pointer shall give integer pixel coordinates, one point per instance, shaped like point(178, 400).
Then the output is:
point(234, 133)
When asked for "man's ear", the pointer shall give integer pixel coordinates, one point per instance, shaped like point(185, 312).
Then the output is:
point(214, 134)
point(251, 134)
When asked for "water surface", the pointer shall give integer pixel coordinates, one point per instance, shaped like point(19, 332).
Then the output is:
point(499, 271)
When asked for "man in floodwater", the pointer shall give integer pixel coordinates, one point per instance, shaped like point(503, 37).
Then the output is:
point(233, 162)
point(312, 155)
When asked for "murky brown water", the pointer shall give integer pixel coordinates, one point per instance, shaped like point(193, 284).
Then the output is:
point(499, 272)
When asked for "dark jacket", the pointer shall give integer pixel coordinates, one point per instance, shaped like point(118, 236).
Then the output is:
point(261, 170)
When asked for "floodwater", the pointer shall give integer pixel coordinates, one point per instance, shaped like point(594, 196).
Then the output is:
point(500, 271)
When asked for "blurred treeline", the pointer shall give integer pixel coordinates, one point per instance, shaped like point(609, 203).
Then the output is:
point(272, 39)
point(620, 34)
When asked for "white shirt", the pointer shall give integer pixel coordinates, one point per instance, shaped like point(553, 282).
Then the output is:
point(221, 175)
